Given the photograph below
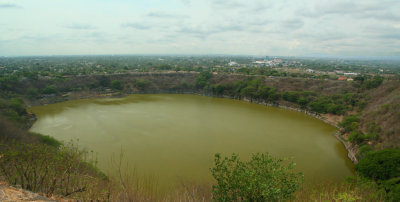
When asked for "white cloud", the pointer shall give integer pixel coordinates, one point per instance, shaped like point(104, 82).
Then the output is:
point(290, 27)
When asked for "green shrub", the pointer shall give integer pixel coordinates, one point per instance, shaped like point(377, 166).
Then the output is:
point(363, 150)
point(392, 187)
point(380, 165)
point(394, 193)
point(203, 79)
point(47, 140)
point(302, 101)
point(357, 137)
point(17, 104)
point(350, 123)
point(49, 90)
point(142, 84)
point(32, 92)
point(290, 96)
point(262, 178)
point(373, 83)
point(12, 115)
point(104, 81)
point(116, 85)
point(372, 136)
point(318, 106)
point(374, 128)
point(336, 109)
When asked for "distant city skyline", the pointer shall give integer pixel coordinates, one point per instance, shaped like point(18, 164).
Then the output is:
point(235, 27)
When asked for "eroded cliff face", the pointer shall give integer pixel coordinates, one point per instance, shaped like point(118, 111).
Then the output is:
point(352, 149)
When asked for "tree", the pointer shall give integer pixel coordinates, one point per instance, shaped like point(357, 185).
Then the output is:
point(318, 106)
point(17, 104)
point(350, 123)
point(203, 79)
point(32, 92)
point(103, 81)
point(373, 83)
point(49, 90)
point(357, 137)
point(218, 89)
point(290, 96)
point(262, 178)
point(380, 165)
point(116, 85)
point(142, 84)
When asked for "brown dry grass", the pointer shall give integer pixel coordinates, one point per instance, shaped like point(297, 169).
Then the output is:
point(345, 191)
point(384, 109)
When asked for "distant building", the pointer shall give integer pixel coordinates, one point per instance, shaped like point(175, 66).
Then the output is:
point(277, 60)
point(232, 63)
point(350, 74)
point(342, 79)
point(260, 62)
point(266, 58)
point(310, 71)
point(264, 63)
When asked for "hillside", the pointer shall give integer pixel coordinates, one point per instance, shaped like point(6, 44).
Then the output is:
point(369, 108)
point(375, 103)
point(383, 111)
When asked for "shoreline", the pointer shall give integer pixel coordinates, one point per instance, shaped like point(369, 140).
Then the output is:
point(351, 149)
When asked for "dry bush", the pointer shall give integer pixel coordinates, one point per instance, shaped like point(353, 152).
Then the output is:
point(190, 191)
point(10, 131)
point(383, 109)
point(355, 189)
point(64, 171)
point(126, 185)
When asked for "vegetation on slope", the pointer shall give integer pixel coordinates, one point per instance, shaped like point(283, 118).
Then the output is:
point(262, 178)
point(368, 103)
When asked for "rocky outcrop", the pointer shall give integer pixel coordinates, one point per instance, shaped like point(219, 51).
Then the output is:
point(351, 148)
point(12, 194)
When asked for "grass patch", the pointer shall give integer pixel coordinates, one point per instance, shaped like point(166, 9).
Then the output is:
point(48, 140)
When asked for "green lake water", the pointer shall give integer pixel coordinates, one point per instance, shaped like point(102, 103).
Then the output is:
point(175, 137)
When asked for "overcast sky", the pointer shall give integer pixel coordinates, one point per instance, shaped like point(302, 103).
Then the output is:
point(248, 27)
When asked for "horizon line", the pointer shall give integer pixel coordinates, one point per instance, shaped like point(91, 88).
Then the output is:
point(322, 56)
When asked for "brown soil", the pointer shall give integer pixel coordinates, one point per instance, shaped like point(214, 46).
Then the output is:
point(332, 119)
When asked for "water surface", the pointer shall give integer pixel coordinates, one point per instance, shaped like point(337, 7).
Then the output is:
point(175, 137)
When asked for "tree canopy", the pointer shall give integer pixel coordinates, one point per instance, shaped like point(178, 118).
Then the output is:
point(380, 165)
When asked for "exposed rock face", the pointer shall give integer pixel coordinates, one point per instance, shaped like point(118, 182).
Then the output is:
point(352, 149)
point(12, 194)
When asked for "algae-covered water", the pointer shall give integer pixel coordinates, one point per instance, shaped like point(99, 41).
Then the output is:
point(175, 137)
